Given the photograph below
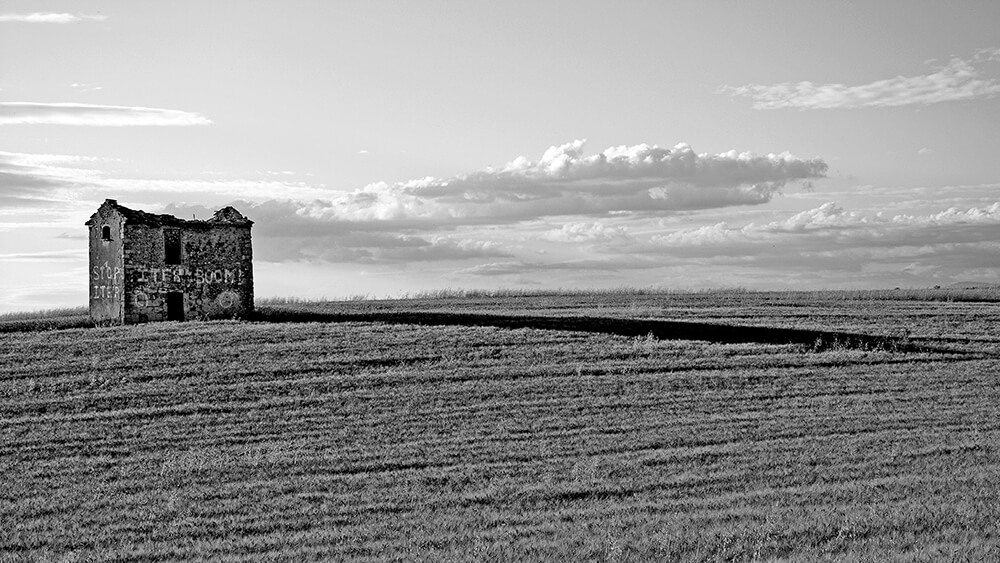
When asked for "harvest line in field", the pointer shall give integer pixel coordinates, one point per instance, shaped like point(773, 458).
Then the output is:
point(662, 329)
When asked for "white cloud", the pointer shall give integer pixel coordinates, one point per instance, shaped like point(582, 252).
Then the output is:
point(831, 239)
point(636, 215)
point(718, 234)
point(586, 232)
point(636, 179)
point(630, 215)
point(381, 222)
point(621, 181)
point(825, 246)
point(590, 199)
point(40, 17)
point(832, 221)
point(18, 113)
point(827, 216)
point(830, 216)
point(958, 80)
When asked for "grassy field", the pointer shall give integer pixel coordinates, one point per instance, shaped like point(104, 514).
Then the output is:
point(535, 427)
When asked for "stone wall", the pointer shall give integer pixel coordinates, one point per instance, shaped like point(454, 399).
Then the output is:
point(215, 274)
point(107, 279)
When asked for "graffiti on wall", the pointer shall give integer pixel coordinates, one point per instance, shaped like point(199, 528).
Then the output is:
point(181, 274)
point(228, 299)
point(159, 281)
point(106, 281)
point(225, 300)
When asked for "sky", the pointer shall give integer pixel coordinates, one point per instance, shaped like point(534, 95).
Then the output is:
point(384, 148)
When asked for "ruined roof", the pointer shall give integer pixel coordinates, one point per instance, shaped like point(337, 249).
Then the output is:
point(227, 215)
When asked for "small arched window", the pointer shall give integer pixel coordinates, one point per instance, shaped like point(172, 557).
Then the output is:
point(105, 233)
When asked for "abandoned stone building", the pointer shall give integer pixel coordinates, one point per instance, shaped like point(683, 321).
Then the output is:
point(149, 267)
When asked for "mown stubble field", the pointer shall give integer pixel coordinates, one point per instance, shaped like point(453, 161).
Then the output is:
point(381, 439)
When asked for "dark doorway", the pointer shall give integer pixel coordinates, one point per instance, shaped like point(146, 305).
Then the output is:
point(175, 306)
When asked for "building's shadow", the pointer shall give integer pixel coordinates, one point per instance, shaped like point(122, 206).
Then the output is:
point(816, 340)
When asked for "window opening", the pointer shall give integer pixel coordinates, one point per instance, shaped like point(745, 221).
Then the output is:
point(105, 233)
point(171, 246)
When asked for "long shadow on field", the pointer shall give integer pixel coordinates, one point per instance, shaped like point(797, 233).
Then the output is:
point(665, 330)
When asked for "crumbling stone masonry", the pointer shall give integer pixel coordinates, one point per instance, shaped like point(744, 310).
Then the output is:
point(148, 267)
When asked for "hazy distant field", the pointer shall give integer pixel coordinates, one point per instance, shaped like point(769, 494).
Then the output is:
point(375, 438)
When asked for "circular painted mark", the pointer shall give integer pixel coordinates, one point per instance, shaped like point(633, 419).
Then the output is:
point(141, 299)
point(228, 299)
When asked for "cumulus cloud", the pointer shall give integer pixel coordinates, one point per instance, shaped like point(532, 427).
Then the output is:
point(49, 17)
point(957, 80)
point(408, 221)
point(636, 179)
point(638, 215)
point(830, 239)
point(589, 198)
point(832, 220)
point(831, 217)
point(827, 245)
point(587, 232)
point(718, 234)
point(640, 179)
point(31, 113)
point(824, 241)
